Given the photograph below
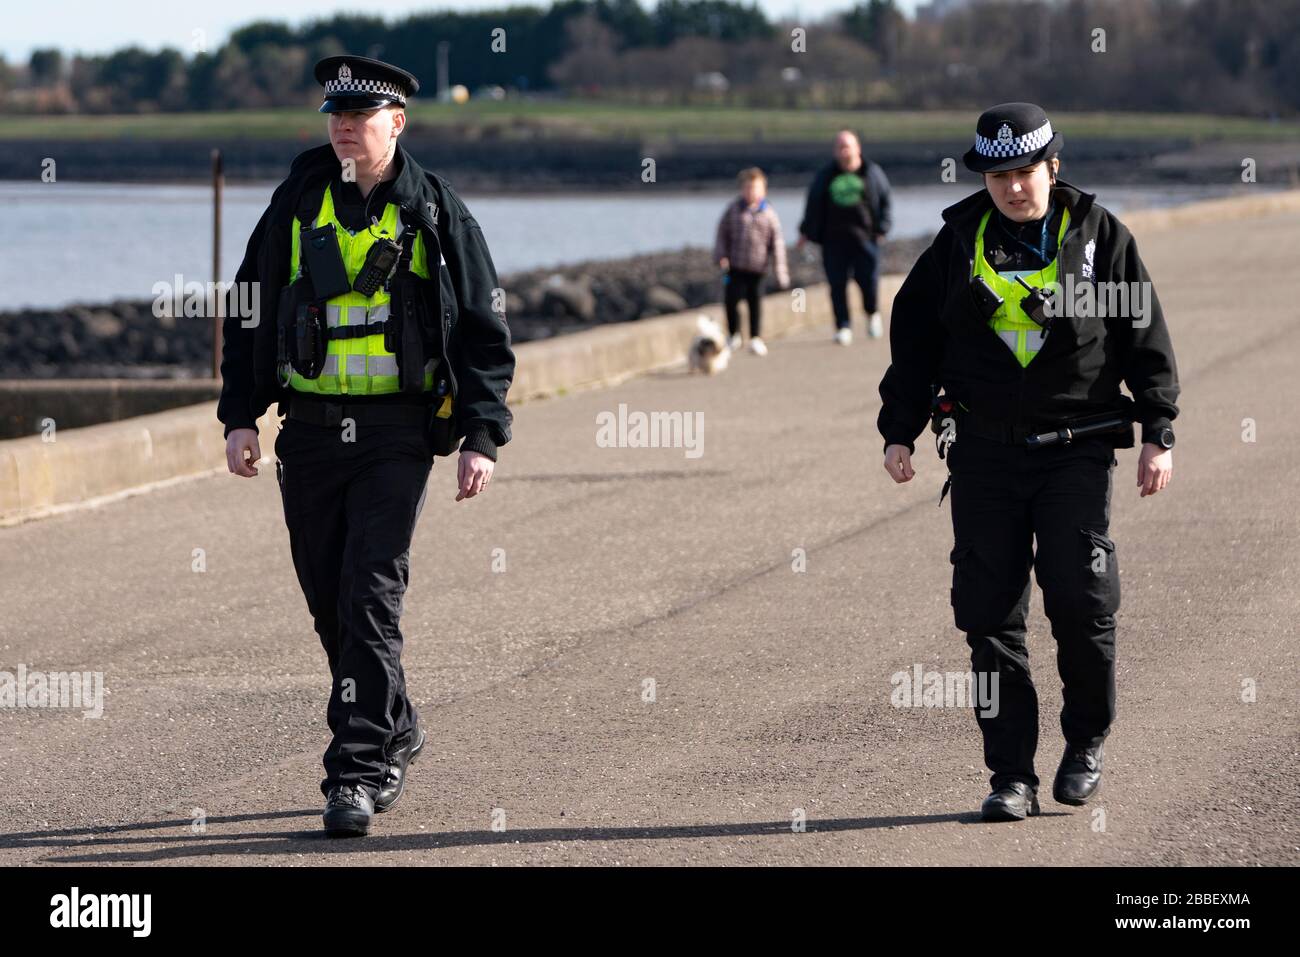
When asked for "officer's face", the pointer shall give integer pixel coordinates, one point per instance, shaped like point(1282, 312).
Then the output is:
point(1021, 194)
point(365, 136)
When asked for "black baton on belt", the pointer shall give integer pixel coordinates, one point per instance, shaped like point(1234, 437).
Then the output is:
point(1069, 432)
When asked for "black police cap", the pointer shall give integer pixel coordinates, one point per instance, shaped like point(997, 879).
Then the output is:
point(361, 83)
point(1012, 135)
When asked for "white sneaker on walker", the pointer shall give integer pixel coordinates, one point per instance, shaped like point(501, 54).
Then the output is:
point(843, 336)
point(735, 342)
point(757, 346)
point(875, 326)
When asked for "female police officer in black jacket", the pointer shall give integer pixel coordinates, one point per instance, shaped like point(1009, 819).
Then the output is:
point(1015, 369)
point(364, 419)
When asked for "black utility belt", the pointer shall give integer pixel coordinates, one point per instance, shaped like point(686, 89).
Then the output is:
point(1041, 436)
point(320, 412)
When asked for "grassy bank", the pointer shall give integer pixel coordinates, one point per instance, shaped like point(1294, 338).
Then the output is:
point(605, 121)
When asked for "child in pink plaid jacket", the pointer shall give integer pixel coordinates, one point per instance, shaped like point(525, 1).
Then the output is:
point(749, 239)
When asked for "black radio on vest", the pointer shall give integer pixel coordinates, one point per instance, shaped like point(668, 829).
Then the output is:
point(380, 264)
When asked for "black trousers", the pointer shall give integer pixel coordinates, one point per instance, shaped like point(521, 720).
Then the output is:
point(351, 508)
point(846, 255)
point(1006, 499)
point(742, 284)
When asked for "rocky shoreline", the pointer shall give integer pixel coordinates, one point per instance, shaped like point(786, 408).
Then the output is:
point(124, 339)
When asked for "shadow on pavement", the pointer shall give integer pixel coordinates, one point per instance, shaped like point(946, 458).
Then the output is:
point(175, 847)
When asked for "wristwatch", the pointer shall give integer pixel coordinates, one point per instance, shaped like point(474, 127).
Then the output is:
point(1165, 438)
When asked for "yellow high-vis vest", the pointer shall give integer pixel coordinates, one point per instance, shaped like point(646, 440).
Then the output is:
point(1021, 334)
point(359, 365)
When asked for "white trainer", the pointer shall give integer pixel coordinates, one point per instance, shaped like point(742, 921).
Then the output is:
point(875, 326)
point(734, 343)
point(843, 337)
point(757, 346)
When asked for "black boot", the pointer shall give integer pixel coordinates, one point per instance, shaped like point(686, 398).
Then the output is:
point(1079, 776)
point(1011, 802)
point(395, 777)
point(348, 809)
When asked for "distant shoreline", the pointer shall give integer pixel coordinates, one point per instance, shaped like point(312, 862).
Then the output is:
point(611, 166)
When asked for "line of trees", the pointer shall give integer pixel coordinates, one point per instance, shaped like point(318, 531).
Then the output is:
point(1224, 56)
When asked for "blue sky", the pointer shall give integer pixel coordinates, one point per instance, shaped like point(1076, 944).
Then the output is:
point(95, 26)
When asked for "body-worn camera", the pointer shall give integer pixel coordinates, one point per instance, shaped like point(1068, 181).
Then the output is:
point(324, 262)
point(987, 301)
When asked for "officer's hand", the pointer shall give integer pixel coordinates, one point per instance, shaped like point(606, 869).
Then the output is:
point(898, 463)
point(473, 473)
point(1155, 466)
point(239, 443)
point(724, 263)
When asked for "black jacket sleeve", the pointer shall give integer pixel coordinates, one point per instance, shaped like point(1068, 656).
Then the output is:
point(813, 224)
point(1146, 352)
point(482, 360)
point(234, 408)
point(916, 344)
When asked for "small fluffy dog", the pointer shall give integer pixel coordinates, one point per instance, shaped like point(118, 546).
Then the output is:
point(709, 352)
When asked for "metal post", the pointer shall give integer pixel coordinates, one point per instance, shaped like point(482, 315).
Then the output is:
point(217, 179)
point(444, 78)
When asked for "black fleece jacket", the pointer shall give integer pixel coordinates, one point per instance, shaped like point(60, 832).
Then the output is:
point(874, 213)
point(938, 338)
point(478, 344)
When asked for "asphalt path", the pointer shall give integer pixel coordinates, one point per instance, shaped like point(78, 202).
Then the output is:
point(647, 656)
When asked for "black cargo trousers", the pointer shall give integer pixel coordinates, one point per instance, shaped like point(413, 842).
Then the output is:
point(351, 508)
point(1006, 497)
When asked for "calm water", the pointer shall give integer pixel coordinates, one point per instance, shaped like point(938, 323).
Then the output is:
point(84, 242)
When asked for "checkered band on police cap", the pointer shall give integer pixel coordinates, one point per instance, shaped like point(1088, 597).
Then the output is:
point(1006, 145)
point(354, 87)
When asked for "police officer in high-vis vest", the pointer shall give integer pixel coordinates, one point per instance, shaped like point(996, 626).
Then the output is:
point(381, 334)
point(1012, 335)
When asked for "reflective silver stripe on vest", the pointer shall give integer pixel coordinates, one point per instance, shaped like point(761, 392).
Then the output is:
point(1033, 339)
point(334, 314)
point(430, 365)
point(357, 365)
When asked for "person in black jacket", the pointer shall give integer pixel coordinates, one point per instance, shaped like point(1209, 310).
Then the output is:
point(848, 214)
point(403, 369)
point(1015, 369)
